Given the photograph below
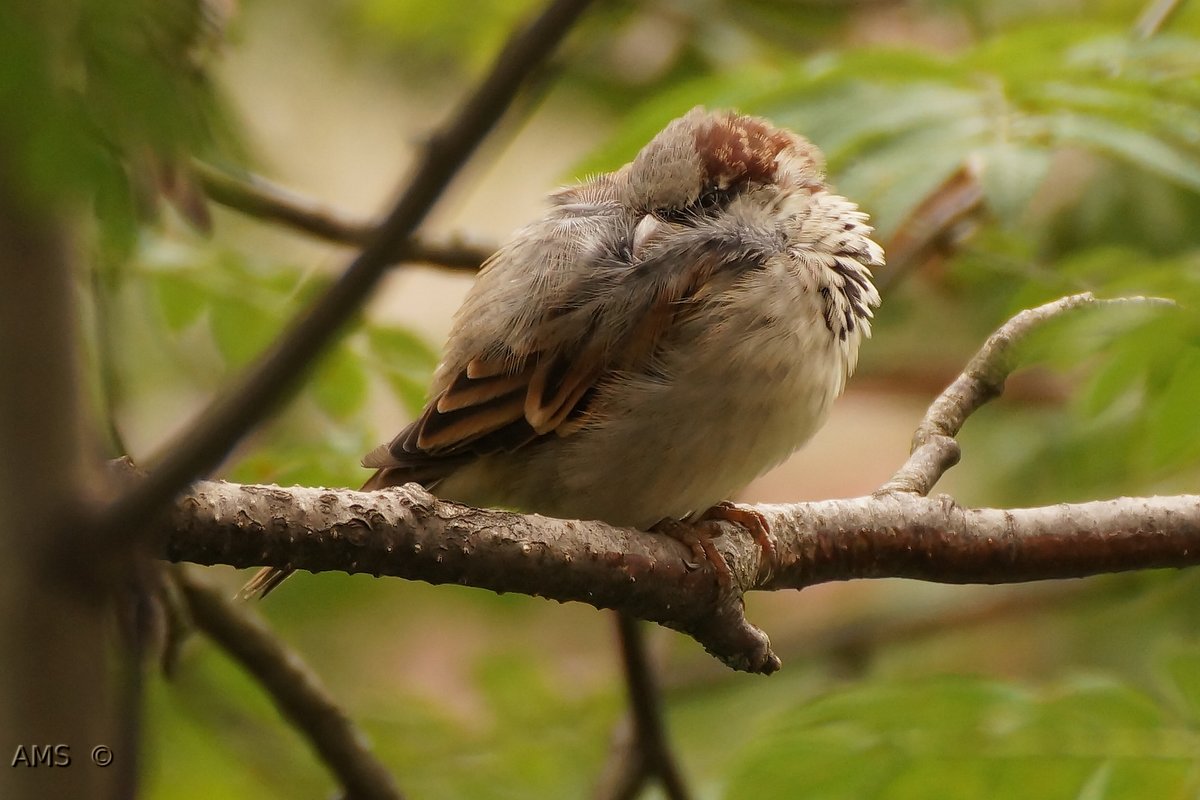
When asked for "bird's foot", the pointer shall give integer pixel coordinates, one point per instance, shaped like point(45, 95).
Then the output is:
point(698, 535)
point(749, 519)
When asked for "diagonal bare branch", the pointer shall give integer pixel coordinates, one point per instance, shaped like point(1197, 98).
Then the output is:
point(259, 198)
point(296, 690)
point(273, 377)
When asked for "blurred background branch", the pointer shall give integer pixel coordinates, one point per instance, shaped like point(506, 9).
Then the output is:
point(257, 197)
point(54, 576)
point(295, 689)
point(640, 751)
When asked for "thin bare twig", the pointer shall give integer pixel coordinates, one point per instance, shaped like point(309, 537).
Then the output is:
point(296, 690)
point(650, 756)
point(934, 448)
point(209, 439)
point(624, 773)
point(257, 197)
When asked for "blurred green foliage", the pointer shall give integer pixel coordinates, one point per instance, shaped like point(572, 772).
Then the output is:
point(972, 738)
point(211, 311)
point(1085, 140)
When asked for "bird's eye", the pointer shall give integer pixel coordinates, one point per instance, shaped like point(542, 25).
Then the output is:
point(710, 202)
point(676, 216)
point(714, 199)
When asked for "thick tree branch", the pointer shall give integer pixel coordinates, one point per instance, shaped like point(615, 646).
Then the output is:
point(204, 443)
point(934, 539)
point(896, 532)
point(55, 679)
point(297, 692)
point(406, 532)
point(259, 198)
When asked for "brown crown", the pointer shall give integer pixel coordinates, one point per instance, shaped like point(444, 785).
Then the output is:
point(736, 150)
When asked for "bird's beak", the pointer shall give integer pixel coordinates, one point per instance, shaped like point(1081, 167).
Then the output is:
point(648, 230)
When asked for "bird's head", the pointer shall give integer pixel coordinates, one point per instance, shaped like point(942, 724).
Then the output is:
point(706, 159)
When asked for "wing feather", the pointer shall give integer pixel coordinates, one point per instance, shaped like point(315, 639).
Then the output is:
point(455, 429)
point(536, 374)
point(557, 385)
point(466, 391)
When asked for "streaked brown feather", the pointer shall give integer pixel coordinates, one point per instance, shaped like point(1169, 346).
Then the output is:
point(466, 391)
point(486, 368)
point(454, 429)
point(379, 457)
point(556, 386)
point(579, 416)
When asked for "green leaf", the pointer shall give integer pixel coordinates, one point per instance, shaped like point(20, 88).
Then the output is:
point(1140, 148)
point(439, 31)
point(834, 117)
point(1181, 669)
point(1173, 419)
point(1011, 175)
point(180, 299)
point(219, 734)
point(895, 177)
point(1120, 376)
point(305, 452)
point(339, 386)
point(242, 329)
point(968, 738)
point(892, 123)
point(406, 361)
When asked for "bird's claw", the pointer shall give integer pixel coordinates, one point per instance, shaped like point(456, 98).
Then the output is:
point(699, 533)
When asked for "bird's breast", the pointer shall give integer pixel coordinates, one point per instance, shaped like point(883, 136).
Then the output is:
point(740, 384)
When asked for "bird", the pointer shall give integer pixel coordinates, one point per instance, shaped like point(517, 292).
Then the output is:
point(660, 337)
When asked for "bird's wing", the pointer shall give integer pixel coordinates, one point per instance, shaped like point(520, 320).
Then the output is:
point(518, 369)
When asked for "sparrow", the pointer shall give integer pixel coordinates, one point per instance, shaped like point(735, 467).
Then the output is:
point(662, 336)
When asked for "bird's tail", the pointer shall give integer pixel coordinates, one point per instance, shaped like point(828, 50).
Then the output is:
point(263, 582)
